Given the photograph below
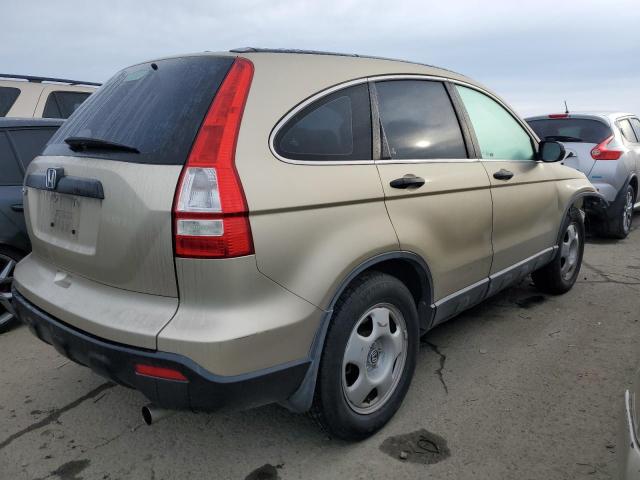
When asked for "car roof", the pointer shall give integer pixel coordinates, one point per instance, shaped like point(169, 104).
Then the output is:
point(337, 54)
point(359, 62)
point(611, 115)
point(10, 122)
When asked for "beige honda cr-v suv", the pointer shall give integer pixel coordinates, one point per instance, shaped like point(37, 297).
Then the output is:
point(256, 226)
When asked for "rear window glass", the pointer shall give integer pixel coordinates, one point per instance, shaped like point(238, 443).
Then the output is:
point(8, 96)
point(155, 107)
point(335, 128)
point(578, 130)
point(10, 173)
point(635, 123)
point(627, 131)
point(63, 104)
point(29, 142)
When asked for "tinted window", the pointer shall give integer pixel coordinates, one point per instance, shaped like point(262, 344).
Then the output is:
point(336, 127)
point(155, 107)
point(10, 173)
point(500, 136)
point(571, 130)
point(418, 120)
point(627, 131)
point(29, 142)
point(635, 123)
point(8, 96)
point(63, 104)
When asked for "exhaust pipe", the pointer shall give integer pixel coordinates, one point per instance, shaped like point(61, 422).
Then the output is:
point(152, 414)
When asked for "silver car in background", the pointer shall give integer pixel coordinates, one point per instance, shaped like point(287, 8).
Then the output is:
point(628, 446)
point(605, 146)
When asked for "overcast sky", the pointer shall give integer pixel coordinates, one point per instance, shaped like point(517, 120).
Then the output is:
point(535, 54)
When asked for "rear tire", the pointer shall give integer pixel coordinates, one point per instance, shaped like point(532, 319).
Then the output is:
point(619, 225)
point(560, 275)
point(368, 358)
point(8, 260)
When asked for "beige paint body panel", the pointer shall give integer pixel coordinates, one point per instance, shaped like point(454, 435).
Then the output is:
point(312, 224)
point(123, 241)
point(33, 96)
point(525, 210)
point(447, 221)
point(529, 208)
point(233, 319)
point(119, 315)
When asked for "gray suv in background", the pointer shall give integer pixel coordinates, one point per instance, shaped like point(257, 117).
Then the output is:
point(605, 147)
point(21, 140)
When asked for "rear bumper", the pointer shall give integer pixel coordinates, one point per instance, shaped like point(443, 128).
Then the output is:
point(203, 391)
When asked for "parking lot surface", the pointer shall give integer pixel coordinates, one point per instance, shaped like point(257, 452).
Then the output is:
point(523, 386)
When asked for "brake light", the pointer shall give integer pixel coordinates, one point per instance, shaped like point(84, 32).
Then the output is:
point(601, 152)
point(210, 213)
point(559, 115)
point(160, 372)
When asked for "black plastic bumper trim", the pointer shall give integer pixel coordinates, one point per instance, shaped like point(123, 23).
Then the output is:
point(204, 390)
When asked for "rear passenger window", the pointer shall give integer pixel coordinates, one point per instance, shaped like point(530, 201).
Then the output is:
point(635, 123)
point(63, 104)
point(627, 131)
point(8, 96)
point(335, 128)
point(499, 134)
point(10, 173)
point(418, 121)
point(29, 142)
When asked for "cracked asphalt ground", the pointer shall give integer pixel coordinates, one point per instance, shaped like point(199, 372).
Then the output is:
point(523, 386)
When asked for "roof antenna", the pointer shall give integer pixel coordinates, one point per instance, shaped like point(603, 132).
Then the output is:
point(566, 109)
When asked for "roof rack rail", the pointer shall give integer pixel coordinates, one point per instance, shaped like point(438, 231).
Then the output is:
point(319, 52)
point(35, 79)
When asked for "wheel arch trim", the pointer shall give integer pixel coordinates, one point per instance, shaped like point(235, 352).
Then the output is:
point(302, 398)
point(599, 204)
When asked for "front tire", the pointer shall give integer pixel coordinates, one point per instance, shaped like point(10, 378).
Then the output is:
point(369, 357)
point(561, 274)
point(622, 215)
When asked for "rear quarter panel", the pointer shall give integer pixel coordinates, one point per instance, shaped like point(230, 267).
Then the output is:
point(312, 224)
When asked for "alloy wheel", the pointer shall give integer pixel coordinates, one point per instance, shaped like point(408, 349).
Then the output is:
point(374, 358)
point(627, 212)
point(7, 265)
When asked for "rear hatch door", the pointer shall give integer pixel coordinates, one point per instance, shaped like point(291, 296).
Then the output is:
point(99, 199)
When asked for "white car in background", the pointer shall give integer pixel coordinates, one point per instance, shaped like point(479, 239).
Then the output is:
point(27, 96)
point(605, 147)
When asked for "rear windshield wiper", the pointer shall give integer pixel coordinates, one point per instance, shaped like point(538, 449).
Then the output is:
point(562, 138)
point(85, 143)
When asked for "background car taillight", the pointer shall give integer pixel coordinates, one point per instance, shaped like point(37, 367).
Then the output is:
point(210, 214)
point(602, 152)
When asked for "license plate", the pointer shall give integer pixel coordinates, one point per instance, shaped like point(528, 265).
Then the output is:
point(64, 213)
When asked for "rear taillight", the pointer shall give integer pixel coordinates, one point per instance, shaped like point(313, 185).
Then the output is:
point(559, 115)
point(601, 152)
point(210, 214)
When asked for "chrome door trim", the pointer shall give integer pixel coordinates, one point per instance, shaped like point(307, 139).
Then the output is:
point(297, 108)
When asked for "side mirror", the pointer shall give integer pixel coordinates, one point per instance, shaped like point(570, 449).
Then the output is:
point(550, 151)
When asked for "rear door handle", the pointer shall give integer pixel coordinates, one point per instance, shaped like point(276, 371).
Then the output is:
point(18, 207)
point(408, 181)
point(503, 174)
